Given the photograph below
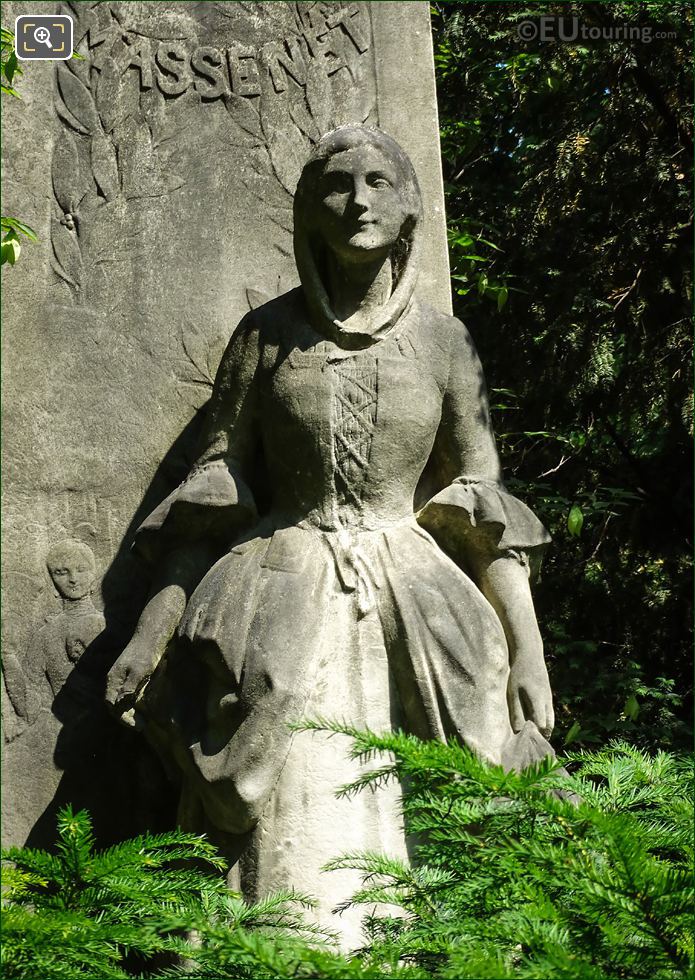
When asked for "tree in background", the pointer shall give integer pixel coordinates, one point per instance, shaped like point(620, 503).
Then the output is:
point(567, 176)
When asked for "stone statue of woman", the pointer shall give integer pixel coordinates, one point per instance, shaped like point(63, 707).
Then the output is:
point(343, 547)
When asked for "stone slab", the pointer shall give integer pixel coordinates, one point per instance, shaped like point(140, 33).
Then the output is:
point(158, 173)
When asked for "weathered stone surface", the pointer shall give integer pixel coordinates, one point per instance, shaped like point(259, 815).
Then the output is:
point(158, 173)
point(295, 576)
point(342, 544)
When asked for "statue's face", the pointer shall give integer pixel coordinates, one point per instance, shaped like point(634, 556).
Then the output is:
point(73, 575)
point(359, 207)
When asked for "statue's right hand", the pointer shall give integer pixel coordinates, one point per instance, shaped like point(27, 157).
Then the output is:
point(129, 675)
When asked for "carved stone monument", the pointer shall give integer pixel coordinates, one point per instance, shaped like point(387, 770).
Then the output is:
point(158, 172)
point(330, 536)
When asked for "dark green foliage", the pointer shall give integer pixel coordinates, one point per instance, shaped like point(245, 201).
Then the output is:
point(270, 940)
point(568, 184)
point(77, 912)
point(9, 65)
point(514, 880)
point(518, 882)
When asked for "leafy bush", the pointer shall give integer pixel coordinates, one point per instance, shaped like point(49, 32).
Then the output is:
point(515, 879)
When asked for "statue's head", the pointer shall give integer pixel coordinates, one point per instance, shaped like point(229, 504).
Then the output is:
point(72, 567)
point(358, 194)
point(358, 199)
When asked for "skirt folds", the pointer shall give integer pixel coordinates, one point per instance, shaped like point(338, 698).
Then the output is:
point(253, 642)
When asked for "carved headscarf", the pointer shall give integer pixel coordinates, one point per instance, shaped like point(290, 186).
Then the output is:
point(405, 255)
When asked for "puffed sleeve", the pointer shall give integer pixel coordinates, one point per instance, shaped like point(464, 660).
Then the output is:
point(473, 510)
point(215, 500)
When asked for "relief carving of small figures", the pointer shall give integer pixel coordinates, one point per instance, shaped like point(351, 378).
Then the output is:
point(62, 745)
point(58, 646)
point(343, 547)
point(72, 568)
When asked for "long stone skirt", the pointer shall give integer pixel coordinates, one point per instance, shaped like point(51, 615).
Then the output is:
point(380, 629)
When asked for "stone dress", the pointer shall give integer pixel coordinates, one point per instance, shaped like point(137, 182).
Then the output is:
point(335, 598)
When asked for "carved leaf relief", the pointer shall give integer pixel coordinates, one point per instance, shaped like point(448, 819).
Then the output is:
point(67, 253)
point(65, 171)
point(83, 21)
point(304, 122)
point(318, 96)
point(286, 145)
point(77, 100)
point(153, 109)
point(68, 118)
point(246, 118)
point(108, 94)
point(80, 66)
point(105, 166)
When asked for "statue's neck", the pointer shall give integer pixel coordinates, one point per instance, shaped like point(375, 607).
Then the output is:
point(76, 607)
point(357, 290)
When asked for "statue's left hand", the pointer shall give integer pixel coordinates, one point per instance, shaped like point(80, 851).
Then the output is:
point(129, 675)
point(528, 694)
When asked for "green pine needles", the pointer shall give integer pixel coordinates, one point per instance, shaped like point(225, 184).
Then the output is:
point(515, 879)
point(76, 912)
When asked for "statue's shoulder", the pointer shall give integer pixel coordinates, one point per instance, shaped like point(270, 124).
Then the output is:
point(263, 324)
point(287, 308)
point(441, 330)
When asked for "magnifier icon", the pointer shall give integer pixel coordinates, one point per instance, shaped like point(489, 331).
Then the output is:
point(43, 36)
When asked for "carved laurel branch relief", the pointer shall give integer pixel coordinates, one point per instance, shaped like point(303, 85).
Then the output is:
point(107, 151)
point(280, 127)
point(112, 149)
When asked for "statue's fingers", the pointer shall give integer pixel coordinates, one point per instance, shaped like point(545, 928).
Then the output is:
point(549, 719)
point(516, 714)
point(113, 687)
point(128, 718)
point(541, 709)
point(535, 707)
point(121, 687)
